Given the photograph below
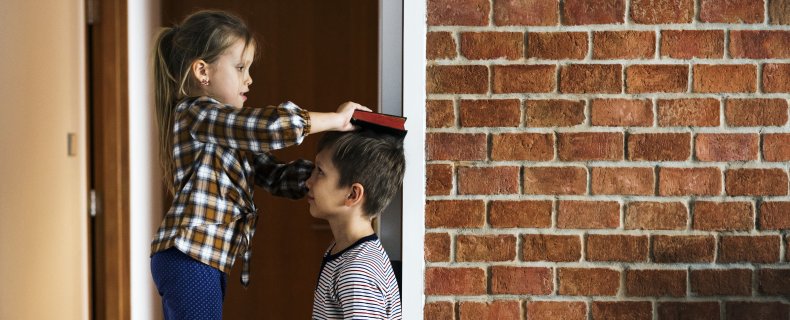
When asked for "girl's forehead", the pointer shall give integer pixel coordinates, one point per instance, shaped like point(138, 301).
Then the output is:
point(241, 50)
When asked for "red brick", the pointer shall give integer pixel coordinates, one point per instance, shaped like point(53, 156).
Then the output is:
point(659, 147)
point(591, 78)
point(779, 11)
point(756, 182)
point(579, 12)
point(526, 12)
point(488, 180)
point(524, 78)
point(683, 249)
point(715, 282)
point(774, 281)
point(621, 113)
point(557, 45)
point(689, 181)
point(723, 216)
point(732, 11)
point(490, 113)
point(656, 78)
point(456, 146)
point(495, 310)
point(440, 45)
point(622, 310)
point(624, 44)
point(656, 216)
point(588, 214)
point(662, 11)
point(583, 146)
point(688, 112)
point(776, 77)
point(457, 79)
point(710, 78)
point(550, 310)
point(554, 248)
point(437, 247)
point(455, 281)
point(440, 310)
point(520, 214)
point(620, 248)
point(555, 180)
point(492, 45)
point(756, 112)
point(655, 283)
point(687, 44)
point(753, 310)
point(522, 146)
point(760, 44)
point(727, 147)
point(458, 12)
point(776, 147)
point(689, 310)
point(774, 215)
point(485, 248)
point(554, 113)
point(438, 179)
point(521, 280)
point(454, 214)
point(623, 181)
point(754, 249)
point(588, 282)
point(439, 113)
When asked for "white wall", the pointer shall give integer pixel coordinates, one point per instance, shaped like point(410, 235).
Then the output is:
point(43, 206)
point(144, 175)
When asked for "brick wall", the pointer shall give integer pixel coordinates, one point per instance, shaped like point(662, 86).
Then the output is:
point(607, 159)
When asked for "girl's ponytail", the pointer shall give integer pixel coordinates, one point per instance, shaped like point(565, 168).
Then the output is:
point(166, 93)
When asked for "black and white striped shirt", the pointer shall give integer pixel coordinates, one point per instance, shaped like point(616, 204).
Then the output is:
point(357, 283)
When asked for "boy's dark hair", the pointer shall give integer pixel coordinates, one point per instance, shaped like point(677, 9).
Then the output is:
point(374, 160)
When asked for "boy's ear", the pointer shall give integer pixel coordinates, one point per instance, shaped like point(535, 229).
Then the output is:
point(355, 195)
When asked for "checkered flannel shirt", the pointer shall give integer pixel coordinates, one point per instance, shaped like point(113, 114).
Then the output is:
point(220, 153)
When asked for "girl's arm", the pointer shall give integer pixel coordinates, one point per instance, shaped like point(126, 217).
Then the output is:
point(281, 179)
point(261, 129)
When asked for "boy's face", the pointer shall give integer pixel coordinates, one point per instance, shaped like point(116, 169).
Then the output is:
point(326, 197)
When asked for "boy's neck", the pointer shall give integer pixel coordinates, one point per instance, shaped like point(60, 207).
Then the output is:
point(348, 231)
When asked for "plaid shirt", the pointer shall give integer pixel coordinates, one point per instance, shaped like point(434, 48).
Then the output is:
point(220, 152)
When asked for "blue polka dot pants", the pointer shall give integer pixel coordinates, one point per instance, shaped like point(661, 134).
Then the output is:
point(190, 289)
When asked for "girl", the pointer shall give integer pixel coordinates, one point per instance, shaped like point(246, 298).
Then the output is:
point(213, 151)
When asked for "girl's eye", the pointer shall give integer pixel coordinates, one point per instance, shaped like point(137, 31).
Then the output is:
point(240, 68)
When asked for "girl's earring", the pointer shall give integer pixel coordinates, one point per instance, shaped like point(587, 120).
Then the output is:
point(204, 82)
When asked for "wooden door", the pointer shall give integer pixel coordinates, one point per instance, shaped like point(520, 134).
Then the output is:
point(317, 54)
point(43, 162)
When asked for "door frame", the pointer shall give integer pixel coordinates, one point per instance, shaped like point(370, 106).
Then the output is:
point(108, 93)
point(414, 64)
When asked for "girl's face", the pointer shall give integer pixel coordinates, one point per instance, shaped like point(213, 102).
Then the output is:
point(229, 76)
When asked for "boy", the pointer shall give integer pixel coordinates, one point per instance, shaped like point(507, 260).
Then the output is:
point(356, 175)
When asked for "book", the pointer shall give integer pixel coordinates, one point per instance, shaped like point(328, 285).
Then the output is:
point(380, 122)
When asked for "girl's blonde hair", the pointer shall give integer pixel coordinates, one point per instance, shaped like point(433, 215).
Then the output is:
point(203, 35)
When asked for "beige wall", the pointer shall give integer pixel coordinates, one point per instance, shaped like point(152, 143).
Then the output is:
point(43, 233)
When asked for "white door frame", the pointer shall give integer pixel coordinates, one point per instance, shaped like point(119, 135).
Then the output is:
point(414, 35)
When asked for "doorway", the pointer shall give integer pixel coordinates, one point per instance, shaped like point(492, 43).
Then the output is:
point(317, 54)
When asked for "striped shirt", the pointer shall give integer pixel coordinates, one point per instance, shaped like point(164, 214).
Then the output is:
point(357, 283)
point(220, 153)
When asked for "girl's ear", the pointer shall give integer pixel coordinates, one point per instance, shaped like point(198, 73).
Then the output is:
point(200, 71)
point(356, 193)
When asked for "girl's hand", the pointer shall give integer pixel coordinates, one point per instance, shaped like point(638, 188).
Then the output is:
point(345, 111)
